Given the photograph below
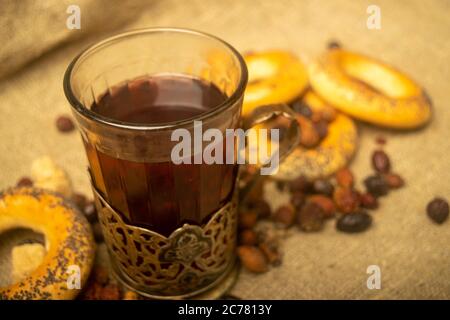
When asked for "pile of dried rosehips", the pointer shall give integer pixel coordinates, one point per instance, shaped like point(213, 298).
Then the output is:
point(311, 204)
point(100, 286)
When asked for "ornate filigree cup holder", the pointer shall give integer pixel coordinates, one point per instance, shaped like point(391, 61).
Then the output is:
point(191, 261)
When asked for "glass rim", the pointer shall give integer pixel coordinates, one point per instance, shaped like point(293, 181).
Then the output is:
point(84, 111)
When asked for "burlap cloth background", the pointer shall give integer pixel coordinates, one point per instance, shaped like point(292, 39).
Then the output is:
point(413, 253)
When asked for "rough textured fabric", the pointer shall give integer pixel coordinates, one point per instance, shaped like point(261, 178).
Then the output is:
point(412, 252)
point(30, 28)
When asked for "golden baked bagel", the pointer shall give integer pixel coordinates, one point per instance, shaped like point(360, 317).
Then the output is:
point(369, 90)
point(334, 151)
point(68, 243)
point(275, 77)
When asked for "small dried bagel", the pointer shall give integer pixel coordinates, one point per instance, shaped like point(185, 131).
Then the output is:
point(275, 77)
point(332, 153)
point(68, 241)
point(369, 90)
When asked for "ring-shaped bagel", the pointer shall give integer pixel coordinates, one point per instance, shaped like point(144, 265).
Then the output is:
point(333, 153)
point(68, 241)
point(369, 90)
point(275, 77)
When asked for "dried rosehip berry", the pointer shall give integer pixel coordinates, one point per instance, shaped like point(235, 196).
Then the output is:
point(323, 186)
point(380, 161)
point(300, 107)
point(344, 178)
point(355, 222)
point(252, 258)
point(268, 234)
point(248, 237)
point(256, 192)
point(329, 114)
point(300, 184)
point(393, 180)
point(281, 185)
point(79, 200)
point(101, 275)
point(325, 203)
point(311, 217)
point(368, 201)
point(298, 199)
point(130, 295)
point(64, 124)
point(247, 219)
point(346, 200)
point(437, 210)
point(380, 140)
point(309, 137)
point(272, 253)
point(92, 291)
point(321, 128)
point(262, 208)
point(316, 117)
point(110, 292)
point(333, 44)
point(25, 182)
point(376, 185)
point(285, 215)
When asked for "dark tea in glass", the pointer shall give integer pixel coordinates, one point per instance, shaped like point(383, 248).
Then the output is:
point(170, 229)
point(161, 196)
